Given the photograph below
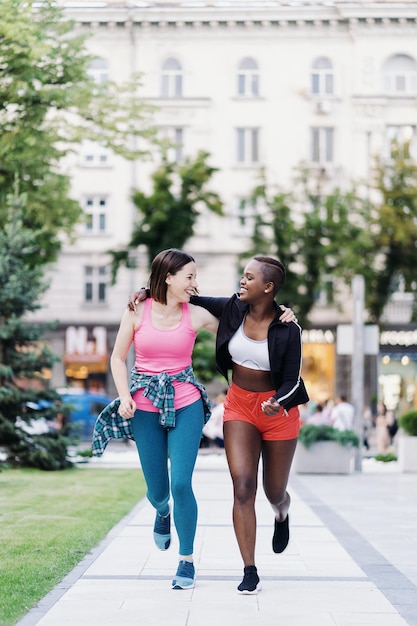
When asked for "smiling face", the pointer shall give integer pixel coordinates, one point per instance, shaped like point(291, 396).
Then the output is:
point(167, 264)
point(252, 283)
point(183, 284)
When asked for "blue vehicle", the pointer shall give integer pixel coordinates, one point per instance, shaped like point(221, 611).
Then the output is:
point(84, 408)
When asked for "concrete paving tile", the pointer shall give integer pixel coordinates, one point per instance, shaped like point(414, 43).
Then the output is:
point(346, 564)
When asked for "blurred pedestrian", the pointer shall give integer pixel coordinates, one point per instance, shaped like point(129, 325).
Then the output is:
point(383, 439)
point(213, 430)
point(343, 413)
point(319, 417)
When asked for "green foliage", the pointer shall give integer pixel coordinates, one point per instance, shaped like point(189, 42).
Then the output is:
point(23, 356)
point(387, 457)
point(311, 433)
point(394, 228)
point(312, 246)
point(204, 360)
point(275, 233)
point(167, 216)
point(48, 104)
point(408, 422)
point(337, 234)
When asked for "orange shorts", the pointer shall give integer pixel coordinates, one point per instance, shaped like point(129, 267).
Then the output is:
point(245, 406)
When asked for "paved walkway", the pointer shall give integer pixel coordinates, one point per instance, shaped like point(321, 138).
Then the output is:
point(352, 559)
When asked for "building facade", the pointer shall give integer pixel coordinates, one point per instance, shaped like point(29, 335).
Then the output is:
point(257, 84)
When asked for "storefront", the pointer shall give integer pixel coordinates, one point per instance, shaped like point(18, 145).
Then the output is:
point(319, 363)
point(397, 376)
point(86, 359)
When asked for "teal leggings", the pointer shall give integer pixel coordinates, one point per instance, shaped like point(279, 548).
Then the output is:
point(181, 443)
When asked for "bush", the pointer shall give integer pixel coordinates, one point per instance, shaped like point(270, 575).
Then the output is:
point(408, 422)
point(387, 457)
point(310, 433)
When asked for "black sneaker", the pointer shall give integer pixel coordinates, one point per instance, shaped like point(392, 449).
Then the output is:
point(250, 584)
point(281, 535)
point(162, 531)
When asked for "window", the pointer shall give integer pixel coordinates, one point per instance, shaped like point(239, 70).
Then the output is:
point(96, 209)
point(322, 145)
point(400, 75)
point(93, 154)
point(247, 145)
point(248, 78)
point(399, 135)
point(98, 71)
point(171, 79)
point(175, 139)
point(322, 78)
point(243, 216)
point(95, 284)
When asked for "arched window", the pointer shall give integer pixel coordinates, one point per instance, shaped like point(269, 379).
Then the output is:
point(322, 77)
point(171, 79)
point(400, 75)
point(248, 78)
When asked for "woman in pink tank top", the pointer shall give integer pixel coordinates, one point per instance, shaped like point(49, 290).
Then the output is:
point(164, 403)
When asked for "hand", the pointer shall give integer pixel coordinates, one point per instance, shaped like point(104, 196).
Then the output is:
point(288, 315)
point(127, 408)
point(138, 296)
point(270, 407)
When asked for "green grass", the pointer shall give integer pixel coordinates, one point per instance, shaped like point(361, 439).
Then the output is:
point(49, 521)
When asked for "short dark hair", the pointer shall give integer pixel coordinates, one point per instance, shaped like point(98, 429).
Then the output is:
point(273, 271)
point(166, 262)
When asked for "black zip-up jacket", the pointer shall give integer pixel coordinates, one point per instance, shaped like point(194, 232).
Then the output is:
point(284, 346)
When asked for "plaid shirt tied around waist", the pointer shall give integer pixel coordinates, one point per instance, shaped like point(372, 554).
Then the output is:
point(158, 388)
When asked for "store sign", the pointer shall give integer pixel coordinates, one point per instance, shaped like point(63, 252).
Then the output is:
point(405, 338)
point(82, 345)
point(318, 336)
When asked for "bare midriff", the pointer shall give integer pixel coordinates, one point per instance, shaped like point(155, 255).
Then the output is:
point(252, 380)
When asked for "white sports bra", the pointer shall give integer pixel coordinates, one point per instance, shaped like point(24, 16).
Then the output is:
point(248, 352)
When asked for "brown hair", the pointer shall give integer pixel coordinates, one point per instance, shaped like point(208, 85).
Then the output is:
point(166, 262)
point(273, 271)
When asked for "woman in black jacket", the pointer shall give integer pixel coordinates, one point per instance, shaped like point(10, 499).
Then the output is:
point(261, 416)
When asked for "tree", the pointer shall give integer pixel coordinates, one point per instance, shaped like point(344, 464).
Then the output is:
point(24, 357)
point(393, 228)
point(48, 104)
point(342, 233)
point(327, 238)
point(167, 216)
point(204, 357)
point(274, 231)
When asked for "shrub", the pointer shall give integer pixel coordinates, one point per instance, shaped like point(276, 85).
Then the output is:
point(387, 457)
point(408, 422)
point(310, 433)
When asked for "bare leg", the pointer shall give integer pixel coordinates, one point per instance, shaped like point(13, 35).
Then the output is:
point(243, 443)
point(277, 458)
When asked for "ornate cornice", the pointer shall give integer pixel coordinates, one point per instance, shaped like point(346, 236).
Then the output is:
point(232, 14)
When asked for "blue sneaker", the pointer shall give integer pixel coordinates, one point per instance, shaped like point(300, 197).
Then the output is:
point(184, 578)
point(162, 531)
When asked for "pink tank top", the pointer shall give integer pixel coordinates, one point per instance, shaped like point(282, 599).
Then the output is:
point(165, 351)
